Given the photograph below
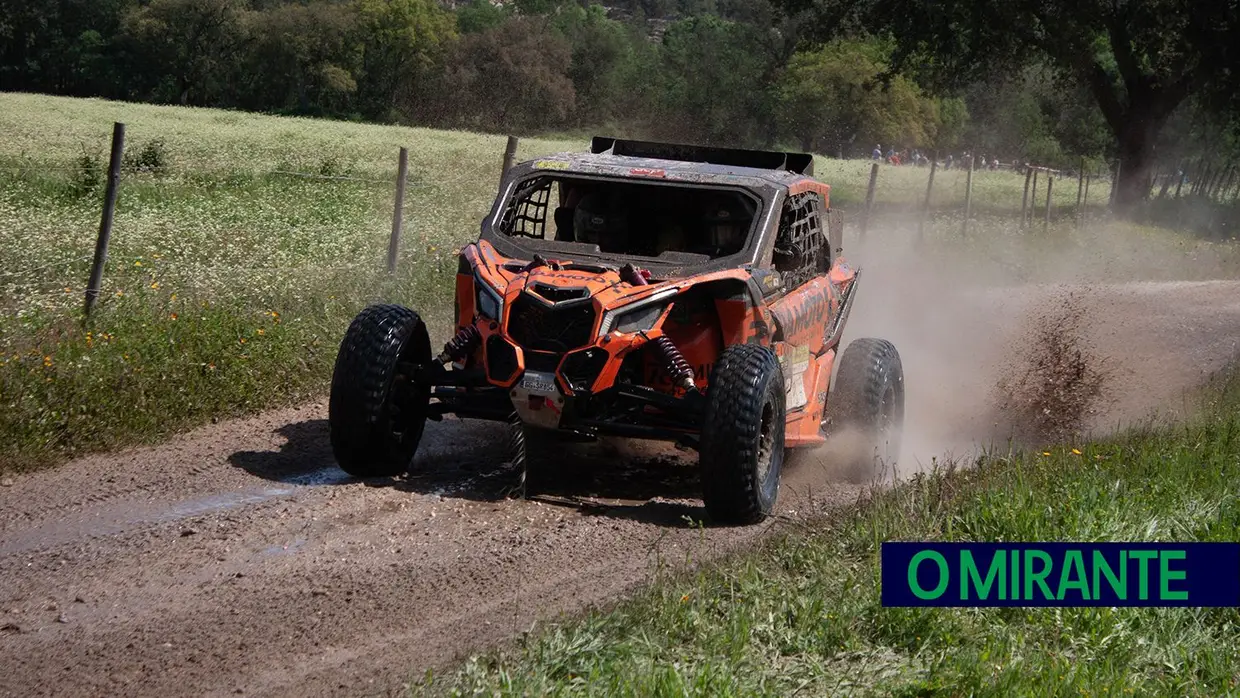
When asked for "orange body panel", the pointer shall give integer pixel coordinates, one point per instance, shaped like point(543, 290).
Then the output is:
point(794, 325)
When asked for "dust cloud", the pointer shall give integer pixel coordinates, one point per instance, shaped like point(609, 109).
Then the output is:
point(1019, 343)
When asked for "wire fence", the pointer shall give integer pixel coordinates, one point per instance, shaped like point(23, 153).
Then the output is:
point(1039, 202)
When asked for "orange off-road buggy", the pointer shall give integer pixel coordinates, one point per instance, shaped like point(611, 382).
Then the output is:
point(644, 290)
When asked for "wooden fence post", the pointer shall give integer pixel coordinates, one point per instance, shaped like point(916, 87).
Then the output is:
point(1224, 175)
point(1199, 187)
point(510, 154)
point(1033, 199)
point(1115, 183)
point(1024, 199)
point(1231, 176)
point(402, 170)
point(925, 211)
point(1050, 184)
point(1080, 184)
point(105, 222)
point(869, 199)
point(968, 197)
point(1085, 200)
point(1166, 183)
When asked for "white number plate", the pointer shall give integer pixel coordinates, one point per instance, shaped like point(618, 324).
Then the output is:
point(542, 383)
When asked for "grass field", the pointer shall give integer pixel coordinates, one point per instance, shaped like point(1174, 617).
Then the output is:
point(230, 283)
point(802, 616)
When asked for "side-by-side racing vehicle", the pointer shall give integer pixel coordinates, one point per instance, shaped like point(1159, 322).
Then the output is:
point(644, 290)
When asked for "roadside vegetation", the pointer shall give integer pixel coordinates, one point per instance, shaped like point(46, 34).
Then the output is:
point(802, 615)
point(228, 284)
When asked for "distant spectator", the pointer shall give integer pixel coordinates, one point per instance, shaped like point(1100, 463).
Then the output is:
point(878, 153)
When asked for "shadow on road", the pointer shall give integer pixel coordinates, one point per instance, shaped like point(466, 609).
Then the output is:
point(471, 460)
point(306, 451)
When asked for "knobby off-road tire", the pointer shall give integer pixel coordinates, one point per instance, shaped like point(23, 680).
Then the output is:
point(375, 418)
point(867, 406)
point(742, 447)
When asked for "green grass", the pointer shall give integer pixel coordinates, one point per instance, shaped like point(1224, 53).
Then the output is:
point(229, 283)
point(802, 615)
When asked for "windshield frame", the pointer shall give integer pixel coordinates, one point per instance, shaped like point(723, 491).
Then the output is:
point(518, 246)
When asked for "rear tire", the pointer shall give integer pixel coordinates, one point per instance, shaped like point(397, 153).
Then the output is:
point(867, 406)
point(742, 447)
point(375, 416)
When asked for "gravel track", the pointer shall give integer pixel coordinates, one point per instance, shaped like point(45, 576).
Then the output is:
point(238, 559)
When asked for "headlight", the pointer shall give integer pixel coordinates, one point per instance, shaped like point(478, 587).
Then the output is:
point(641, 316)
point(489, 302)
point(639, 320)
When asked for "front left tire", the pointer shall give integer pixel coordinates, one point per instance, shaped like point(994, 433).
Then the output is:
point(742, 443)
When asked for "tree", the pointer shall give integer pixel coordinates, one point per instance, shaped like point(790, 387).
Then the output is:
point(61, 47)
point(603, 53)
point(1138, 60)
point(301, 58)
point(713, 83)
point(399, 40)
point(479, 16)
point(831, 97)
point(180, 50)
point(513, 78)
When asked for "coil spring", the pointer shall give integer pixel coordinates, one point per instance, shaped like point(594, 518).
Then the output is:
point(674, 362)
point(464, 343)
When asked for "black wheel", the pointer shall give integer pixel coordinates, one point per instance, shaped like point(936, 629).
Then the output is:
point(742, 449)
point(867, 406)
point(376, 415)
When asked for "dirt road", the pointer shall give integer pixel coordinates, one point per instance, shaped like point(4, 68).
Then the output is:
point(238, 559)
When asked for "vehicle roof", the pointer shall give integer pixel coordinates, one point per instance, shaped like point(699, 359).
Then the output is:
point(643, 168)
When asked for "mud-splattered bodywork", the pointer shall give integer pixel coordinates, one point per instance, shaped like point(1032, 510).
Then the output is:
point(577, 339)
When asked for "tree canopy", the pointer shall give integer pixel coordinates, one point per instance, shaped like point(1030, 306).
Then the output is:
point(1139, 60)
point(1144, 83)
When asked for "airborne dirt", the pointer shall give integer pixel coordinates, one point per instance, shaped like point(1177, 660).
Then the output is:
point(238, 559)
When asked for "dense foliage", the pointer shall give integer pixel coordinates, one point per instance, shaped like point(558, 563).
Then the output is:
point(1035, 81)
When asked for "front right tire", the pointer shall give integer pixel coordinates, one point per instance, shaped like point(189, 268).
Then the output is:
point(376, 413)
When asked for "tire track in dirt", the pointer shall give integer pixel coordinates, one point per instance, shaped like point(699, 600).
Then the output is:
point(237, 558)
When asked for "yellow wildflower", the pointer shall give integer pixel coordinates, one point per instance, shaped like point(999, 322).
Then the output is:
point(260, 330)
point(173, 316)
point(1076, 452)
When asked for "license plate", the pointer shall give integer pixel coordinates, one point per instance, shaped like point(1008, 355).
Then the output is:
point(539, 382)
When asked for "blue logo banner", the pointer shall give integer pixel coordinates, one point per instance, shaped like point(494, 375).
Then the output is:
point(1061, 574)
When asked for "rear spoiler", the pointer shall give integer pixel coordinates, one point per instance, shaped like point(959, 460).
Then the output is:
point(800, 163)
